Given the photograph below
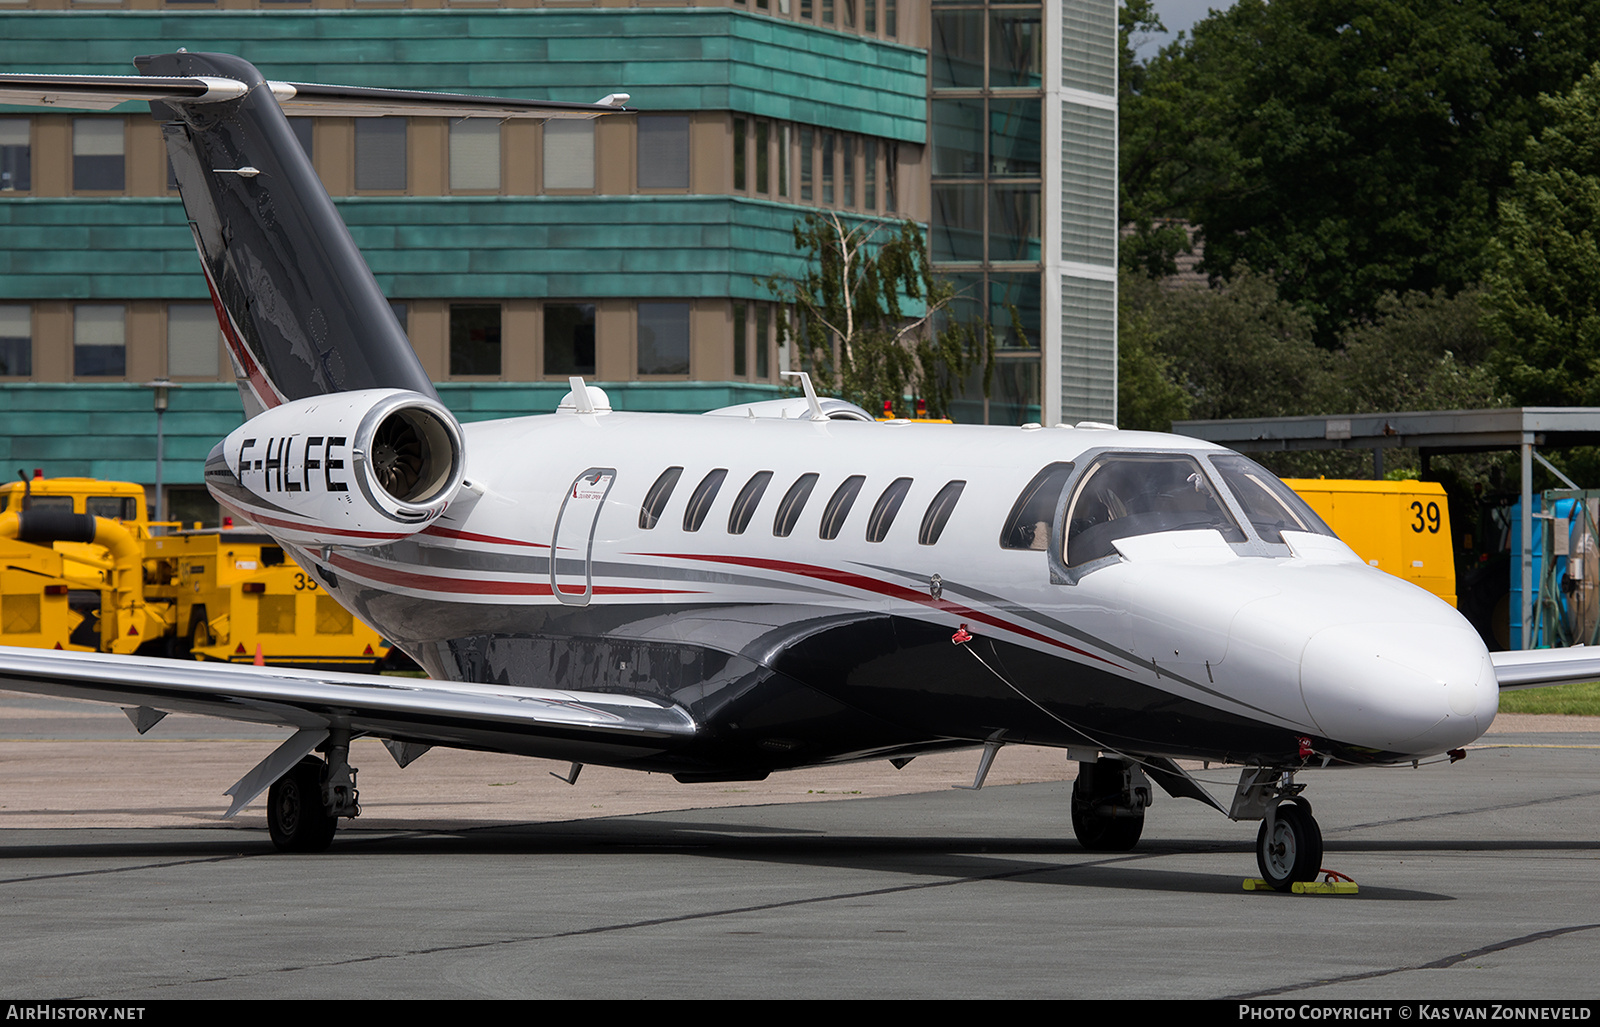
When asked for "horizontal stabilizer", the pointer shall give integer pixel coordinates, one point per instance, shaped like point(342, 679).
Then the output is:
point(1536, 668)
point(105, 92)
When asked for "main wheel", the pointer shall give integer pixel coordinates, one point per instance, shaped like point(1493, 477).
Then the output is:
point(1293, 851)
point(296, 818)
point(1099, 833)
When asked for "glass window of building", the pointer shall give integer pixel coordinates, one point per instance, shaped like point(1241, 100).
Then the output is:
point(402, 314)
point(869, 178)
point(763, 158)
point(16, 154)
point(785, 139)
point(302, 129)
point(763, 342)
point(829, 144)
point(99, 340)
point(847, 180)
point(98, 147)
point(738, 153)
point(663, 151)
point(956, 59)
point(475, 154)
point(741, 366)
point(807, 159)
point(381, 154)
point(1016, 55)
point(568, 154)
point(569, 338)
point(663, 338)
point(194, 341)
point(474, 338)
point(16, 340)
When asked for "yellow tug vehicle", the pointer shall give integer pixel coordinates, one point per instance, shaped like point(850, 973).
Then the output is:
point(81, 569)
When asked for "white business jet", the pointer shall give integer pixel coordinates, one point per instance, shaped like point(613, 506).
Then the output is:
point(785, 585)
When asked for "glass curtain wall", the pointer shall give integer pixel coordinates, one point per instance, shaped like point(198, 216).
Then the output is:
point(986, 98)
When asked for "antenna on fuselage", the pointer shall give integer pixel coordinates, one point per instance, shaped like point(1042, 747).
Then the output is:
point(811, 394)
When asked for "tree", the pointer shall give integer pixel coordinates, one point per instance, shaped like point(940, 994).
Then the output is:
point(853, 327)
point(1544, 289)
point(1346, 149)
point(1420, 352)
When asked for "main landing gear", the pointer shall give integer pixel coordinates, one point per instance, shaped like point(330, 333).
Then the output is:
point(1109, 798)
point(305, 804)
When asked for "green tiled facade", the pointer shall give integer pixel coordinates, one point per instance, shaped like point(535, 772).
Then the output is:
point(669, 247)
point(668, 59)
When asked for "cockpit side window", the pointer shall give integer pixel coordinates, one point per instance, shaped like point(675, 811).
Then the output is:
point(1126, 494)
point(1028, 524)
point(1272, 506)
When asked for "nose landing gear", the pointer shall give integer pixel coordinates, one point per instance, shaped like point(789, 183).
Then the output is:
point(1289, 846)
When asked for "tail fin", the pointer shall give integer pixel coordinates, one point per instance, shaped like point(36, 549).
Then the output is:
point(300, 311)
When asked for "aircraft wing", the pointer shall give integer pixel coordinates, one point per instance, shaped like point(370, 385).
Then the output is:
point(531, 721)
point(1535, 668)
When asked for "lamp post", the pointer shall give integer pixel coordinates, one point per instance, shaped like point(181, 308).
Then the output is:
point(160, 388)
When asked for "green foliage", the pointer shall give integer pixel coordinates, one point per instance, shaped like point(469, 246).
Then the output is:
point(1579, 700)
point(851, 325)
point(1235, 350)
point(1345, 149)
point(1544, 289)
point(1421, 353)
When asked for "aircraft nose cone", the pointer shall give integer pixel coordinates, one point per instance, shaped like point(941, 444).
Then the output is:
point(1412, 688)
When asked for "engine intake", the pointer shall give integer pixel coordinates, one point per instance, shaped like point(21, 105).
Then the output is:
point(353, 468)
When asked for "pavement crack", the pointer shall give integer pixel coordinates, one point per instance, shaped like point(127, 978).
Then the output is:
point(1442, 963)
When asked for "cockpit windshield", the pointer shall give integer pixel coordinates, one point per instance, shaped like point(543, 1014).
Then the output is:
point(1126, 494)
point(1272, 506)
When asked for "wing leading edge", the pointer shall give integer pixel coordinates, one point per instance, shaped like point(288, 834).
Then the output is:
point(526, 721)
point(1537, 668)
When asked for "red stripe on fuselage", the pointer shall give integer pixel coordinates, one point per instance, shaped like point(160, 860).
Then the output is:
point(886, 588)
point(468, 536)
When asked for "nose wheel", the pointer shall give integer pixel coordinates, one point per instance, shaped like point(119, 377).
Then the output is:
point(1289, 846)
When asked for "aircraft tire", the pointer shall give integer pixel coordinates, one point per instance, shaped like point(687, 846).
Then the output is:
point(296, 819)
point(1294, 852)
point(1102, 833)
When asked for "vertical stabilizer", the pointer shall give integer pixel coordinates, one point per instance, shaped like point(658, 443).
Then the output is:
point(300, 311)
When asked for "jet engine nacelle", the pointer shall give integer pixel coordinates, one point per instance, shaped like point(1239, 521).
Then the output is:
point(349, 469)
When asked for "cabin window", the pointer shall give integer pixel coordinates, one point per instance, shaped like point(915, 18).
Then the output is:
point(656, 499)
point(744, 505)
point(884, 510)
point(939, 511)
point(1272, 507)
point(839, 504)
point(1028, 524)
point(1128, 494)
point(700, 502)
point(794, 501)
